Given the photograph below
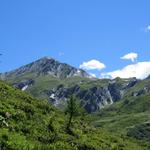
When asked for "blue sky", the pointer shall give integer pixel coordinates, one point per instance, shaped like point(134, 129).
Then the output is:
point(74, 31)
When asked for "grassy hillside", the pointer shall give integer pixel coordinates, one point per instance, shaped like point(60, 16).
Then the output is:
point(28, 123)
point(130, 117)
point(141, 88)
point(46, 82)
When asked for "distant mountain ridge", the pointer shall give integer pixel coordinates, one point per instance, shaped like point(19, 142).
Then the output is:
point(47, 66)
point(49, 79)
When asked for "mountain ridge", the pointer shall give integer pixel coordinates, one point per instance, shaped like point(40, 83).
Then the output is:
point(47, 66)
point(49, 79)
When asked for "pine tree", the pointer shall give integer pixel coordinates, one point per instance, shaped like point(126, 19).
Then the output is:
point(72, 109)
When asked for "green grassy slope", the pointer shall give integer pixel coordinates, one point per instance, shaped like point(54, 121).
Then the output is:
point(47, 82)
point(28, 123)
point(139, 86)
point(131, 117)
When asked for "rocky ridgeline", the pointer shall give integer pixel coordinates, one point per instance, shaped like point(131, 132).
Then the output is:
point(92, 98)
point(46, 66)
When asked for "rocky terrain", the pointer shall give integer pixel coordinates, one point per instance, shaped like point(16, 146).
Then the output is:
point(55, 81)
point(95, 97)
point(46, 66)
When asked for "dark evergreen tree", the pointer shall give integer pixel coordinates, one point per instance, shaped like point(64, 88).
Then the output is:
point(72, 109)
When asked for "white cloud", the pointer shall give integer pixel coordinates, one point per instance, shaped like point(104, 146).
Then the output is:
point(147, 28)
point(92, 65)
point(130, 56)
point(139, 70)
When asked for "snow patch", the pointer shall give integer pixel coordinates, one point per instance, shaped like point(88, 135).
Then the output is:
point(24, 88)
point(52, 96)
point(78, 73)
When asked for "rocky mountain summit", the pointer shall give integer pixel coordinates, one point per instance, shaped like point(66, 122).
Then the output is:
point(49, 79)
point(46, 66)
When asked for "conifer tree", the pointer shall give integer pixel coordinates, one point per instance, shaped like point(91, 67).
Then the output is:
point(72, 109)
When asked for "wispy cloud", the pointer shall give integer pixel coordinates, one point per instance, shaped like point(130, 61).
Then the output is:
point(92, 65)
point(146, 29)
point(61, 53)
point(139, 70)
point(130, 56)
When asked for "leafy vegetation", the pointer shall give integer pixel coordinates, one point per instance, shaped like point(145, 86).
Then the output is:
point(72, 110)
point(141, 131)
point(28, 123)
point(130, 116)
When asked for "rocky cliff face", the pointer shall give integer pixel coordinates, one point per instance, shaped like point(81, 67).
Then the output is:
point(93, 98)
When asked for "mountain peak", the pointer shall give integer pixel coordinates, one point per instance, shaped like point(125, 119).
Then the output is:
point(47, 66)
point(46, 58)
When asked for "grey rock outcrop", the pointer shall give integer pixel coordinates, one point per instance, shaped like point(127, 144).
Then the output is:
point(93, 98)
